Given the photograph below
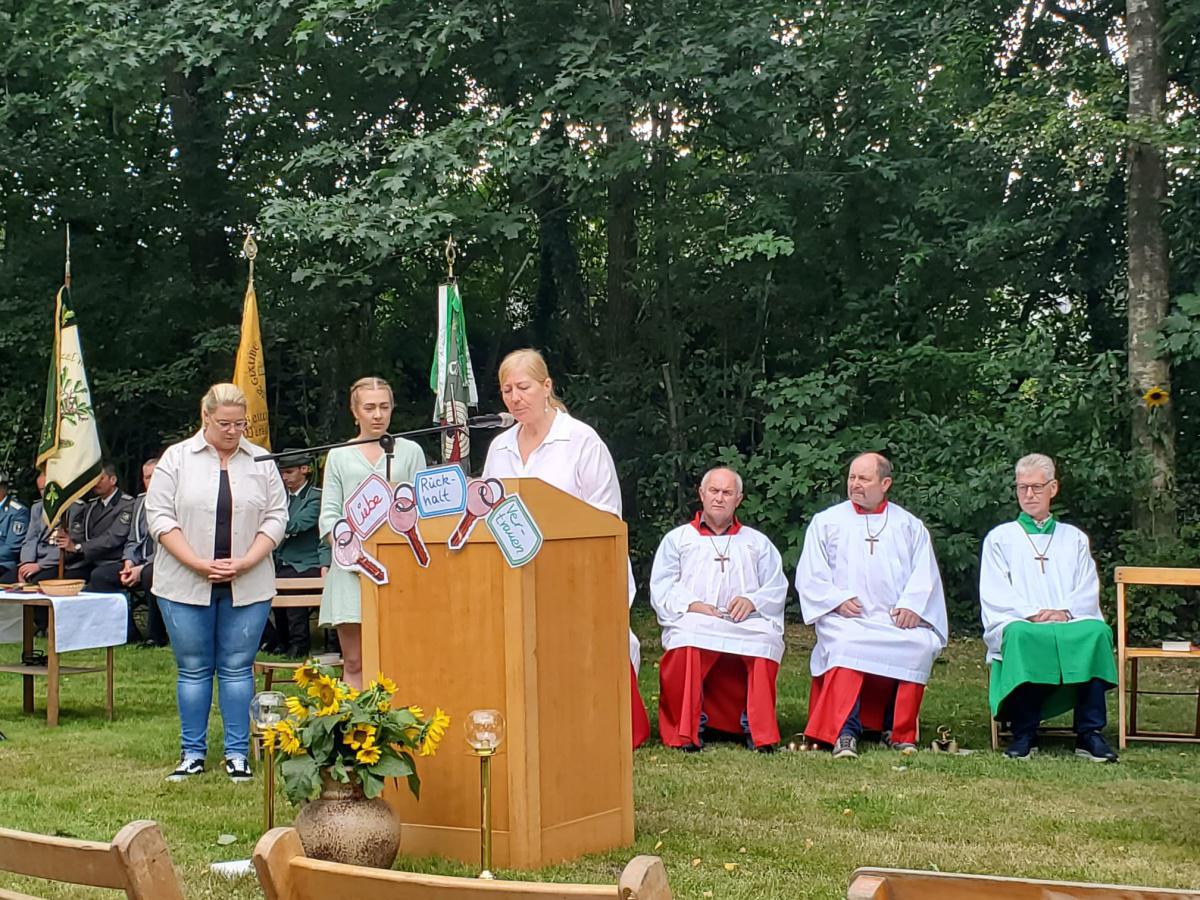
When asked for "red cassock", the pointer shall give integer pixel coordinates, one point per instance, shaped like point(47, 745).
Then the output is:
point(833, 695)
point(721, 685)
point(641, 721)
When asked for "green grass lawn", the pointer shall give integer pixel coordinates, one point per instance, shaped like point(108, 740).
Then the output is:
point(795, 824)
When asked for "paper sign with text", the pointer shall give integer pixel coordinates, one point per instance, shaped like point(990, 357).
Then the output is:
point(441, 491)
point(516, 534)
point(367, 508)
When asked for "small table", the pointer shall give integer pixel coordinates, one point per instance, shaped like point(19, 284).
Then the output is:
point(53, 670)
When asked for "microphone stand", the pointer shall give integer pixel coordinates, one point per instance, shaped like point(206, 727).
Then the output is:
point(386, 441)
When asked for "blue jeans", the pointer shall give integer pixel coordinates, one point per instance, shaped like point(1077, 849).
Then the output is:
point(219, 638)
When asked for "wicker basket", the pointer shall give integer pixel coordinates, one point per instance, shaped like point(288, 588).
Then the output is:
point(61, 587)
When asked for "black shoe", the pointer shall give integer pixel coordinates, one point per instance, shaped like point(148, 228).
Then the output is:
point(690, 748)
point(297, 652)
point(238, 770)
point(186, 769)
point(1091, 746)
point(846, 746)
point(1022, 746)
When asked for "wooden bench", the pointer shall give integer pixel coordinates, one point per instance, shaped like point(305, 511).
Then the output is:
point(136, 862)
point(1129, 657)
point(902, 884)
point(291, 593)
point(285, 873)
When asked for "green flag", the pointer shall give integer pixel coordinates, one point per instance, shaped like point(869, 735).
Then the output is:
point(451, 377)
point(70, 444)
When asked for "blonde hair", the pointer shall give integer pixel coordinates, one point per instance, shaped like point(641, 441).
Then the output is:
point(223, 394)
point(534, 364)
point(370, 383)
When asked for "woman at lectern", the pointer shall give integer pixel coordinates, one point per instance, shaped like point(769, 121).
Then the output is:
point(371, 404)
point(548, 443)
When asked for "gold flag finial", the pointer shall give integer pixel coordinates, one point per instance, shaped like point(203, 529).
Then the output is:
point(67, 264)
point(451, 253)
point(250, 250)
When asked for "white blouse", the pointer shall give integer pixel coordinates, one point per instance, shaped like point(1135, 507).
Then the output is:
point(573, 459)
point(183, 495)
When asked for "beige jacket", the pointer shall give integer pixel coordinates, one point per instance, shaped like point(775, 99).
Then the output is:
point(183, 495)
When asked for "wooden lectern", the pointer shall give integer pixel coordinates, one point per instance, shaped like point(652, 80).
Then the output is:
point(547, 645)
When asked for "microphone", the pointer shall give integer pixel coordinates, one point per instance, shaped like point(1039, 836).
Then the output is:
point(492, 420)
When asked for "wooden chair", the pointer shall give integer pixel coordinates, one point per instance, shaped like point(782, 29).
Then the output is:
point(901, 884)
point(290, 593)
point(285, 873)
point(1129, 657)
point(136, 862)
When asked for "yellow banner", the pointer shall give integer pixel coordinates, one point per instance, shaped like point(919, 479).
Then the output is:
point(249, 372)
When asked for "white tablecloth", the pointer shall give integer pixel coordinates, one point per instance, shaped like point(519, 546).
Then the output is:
point(82, 622)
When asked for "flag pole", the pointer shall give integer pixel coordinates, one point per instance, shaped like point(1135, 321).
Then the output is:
point(250, 249)
point(62, 563)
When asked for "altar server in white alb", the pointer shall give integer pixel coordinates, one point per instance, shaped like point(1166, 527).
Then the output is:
point(719, 591)
point(1047, 643)
point(869, 583)
point(550, 444)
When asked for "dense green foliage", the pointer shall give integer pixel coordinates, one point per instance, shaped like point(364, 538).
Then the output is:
point(773, 233)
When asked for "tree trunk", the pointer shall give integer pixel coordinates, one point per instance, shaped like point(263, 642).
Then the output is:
point(1153, 430)
point(622, 225)
point(198, 119)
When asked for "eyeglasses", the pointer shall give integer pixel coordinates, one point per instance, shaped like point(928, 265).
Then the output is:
point(239, 425)
point(1034, 489)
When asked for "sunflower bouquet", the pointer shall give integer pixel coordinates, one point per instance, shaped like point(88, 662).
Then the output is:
point(353, 735)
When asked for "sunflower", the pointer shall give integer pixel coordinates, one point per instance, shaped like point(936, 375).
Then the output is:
point(417, 712)
point(384, 705)
point(360, 735)
point(382, 681)
point(288, 741)
point(305, 675)
point(434, 732)
point(267, 736)
point(369, 753)
point(1156, 397)
point(329, 693)
point(296, 707)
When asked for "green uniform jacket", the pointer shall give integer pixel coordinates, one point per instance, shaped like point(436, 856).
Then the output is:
point(302, 548)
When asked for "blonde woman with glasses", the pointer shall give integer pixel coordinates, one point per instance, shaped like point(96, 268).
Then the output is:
point(217, 515)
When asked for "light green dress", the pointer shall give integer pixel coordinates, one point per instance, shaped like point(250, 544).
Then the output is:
point(345, 469)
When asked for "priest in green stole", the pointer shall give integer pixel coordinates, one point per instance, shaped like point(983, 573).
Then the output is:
point(1048, 645)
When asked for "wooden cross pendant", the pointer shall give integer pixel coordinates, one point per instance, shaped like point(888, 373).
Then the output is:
point(1042, 559)
point(722, 559)
point(871, 542)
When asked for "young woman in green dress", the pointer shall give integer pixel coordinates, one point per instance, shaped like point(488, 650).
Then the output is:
point(371, 404)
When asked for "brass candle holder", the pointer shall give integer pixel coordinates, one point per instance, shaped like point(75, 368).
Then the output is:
point(267, 709)
point(485, 734)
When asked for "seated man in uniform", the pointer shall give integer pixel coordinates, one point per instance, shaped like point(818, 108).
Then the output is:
point(1048, 645)
point(137, 567)
point(302, 554)
point(868, 582)
point(14, 524)
point(719, 591)
point(93, 540)
point(39, 553)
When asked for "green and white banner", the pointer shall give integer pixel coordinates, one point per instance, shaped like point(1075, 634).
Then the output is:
point(70, 443)
point(451, 376)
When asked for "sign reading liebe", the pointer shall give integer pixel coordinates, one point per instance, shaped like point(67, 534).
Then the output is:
point(367, 508)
